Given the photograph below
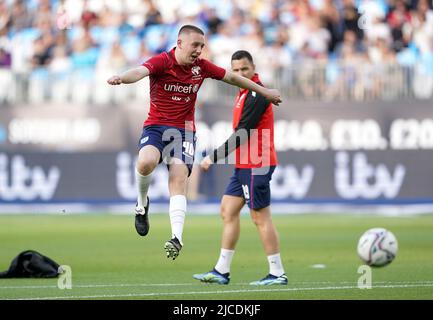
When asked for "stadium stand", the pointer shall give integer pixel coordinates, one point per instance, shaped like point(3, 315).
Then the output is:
point(315, 49)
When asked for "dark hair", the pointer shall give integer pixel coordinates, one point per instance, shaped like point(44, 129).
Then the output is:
point(188, 28)
point(238, 55)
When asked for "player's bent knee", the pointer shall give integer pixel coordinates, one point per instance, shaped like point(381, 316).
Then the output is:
point(178, 173)
point(178, 179)
point(177, 182)
point(146, 167)
point(227, 215)
point(260, 217)
point(256, 220)
point(228, 218)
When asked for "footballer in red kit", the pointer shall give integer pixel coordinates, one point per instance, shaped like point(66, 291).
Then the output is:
point(173, 88)
point(169, 130)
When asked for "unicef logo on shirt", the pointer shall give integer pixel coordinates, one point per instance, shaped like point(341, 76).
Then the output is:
point(195, 89)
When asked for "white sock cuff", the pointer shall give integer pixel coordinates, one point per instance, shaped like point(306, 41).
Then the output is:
point(274, 256)
point(143, 183)
point(227, 251)
point(224, 261)
point(275, 265)
point(177, 202)
point(140, 176)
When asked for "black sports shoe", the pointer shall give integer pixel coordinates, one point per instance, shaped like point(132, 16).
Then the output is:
point(142, 219)
point(172, 248)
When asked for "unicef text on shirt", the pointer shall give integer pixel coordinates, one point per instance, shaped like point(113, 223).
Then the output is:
point(181, 88)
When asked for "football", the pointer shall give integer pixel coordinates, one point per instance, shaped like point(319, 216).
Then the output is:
point(377, 247)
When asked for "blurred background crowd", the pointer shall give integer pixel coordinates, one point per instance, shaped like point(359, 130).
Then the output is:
point(310, 49)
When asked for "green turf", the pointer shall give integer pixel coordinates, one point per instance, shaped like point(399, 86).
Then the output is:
point(110, 261)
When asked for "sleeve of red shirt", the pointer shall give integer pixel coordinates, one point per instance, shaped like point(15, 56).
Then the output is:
point(213, 71)
point(156, 64)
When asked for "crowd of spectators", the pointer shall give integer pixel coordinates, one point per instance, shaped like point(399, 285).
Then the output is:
point(326, 41)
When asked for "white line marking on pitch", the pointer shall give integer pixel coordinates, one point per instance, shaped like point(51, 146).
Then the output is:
point(120, 285)
point(102, 285)
point(130, 295)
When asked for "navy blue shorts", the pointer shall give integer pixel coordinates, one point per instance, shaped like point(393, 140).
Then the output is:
point(252, 185)
point(171, 142)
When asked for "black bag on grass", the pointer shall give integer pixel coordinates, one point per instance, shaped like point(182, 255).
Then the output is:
point(31, 264)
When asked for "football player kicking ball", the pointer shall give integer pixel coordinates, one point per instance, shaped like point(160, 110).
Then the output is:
point(169, 130)
point(253, 140)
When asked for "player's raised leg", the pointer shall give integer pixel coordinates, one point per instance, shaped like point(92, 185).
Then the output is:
point(177, 184)
point(271, 243)
point(230, 212)
point(148, 159)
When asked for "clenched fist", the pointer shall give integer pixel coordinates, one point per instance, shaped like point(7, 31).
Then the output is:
point(206, 163)
point(274, 96)
point(114, 80)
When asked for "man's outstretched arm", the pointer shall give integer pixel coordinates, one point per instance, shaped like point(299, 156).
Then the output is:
point(254, 108)
point(273, 95)
point(130, 76)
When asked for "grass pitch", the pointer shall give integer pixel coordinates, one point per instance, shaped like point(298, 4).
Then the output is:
point(110, 261)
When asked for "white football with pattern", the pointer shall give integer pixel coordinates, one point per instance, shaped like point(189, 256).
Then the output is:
point(377, 247)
